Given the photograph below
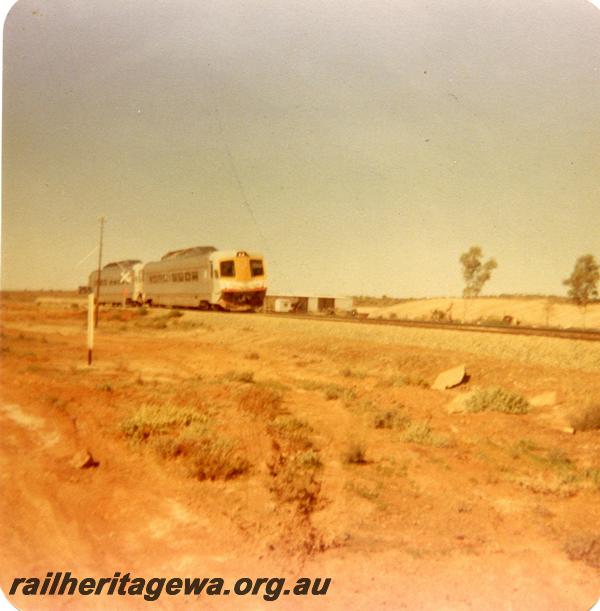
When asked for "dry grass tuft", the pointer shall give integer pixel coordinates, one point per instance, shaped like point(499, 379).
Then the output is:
point(261, 401)
point(421, 433)
point(403, 380)
point(355, 454)
point(332, 393)
point(294, 478)
point(384, 419)
point(187, 435)
point(592, 475)
point(214, 458)
point(412, 380)
point(245, 377)
point(392, 418)
point(295, 433)
point(586, 418)
point(155, 419)
point(152, 322)
point(496, 399)
point(584, 547)
point(347, 372)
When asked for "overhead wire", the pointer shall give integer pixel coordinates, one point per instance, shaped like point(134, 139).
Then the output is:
point(236, 176)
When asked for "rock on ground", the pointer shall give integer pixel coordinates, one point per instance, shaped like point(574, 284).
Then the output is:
point(83, 460)
point(450, 378)
point(544, 399)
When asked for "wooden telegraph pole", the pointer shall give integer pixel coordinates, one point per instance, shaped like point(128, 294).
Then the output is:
point(99, 272)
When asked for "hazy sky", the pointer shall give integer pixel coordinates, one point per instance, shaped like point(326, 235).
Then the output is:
point(363, 146)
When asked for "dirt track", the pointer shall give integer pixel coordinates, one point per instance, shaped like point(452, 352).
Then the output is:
point(484, 512)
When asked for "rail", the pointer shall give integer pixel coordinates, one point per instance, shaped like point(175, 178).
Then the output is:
point(579, 334)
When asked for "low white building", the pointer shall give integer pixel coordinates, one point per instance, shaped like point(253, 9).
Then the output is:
point(312, 304)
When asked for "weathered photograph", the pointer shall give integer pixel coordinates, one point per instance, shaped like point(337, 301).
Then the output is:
point(300, 305)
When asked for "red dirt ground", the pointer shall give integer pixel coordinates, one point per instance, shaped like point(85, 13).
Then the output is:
point(491, 510)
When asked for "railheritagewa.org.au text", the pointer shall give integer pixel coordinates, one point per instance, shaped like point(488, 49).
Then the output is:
point(152, 588)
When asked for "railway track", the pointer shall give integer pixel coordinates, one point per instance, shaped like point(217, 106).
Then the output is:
point(579, 334)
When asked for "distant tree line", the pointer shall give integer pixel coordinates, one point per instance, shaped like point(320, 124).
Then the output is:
point(582, 283)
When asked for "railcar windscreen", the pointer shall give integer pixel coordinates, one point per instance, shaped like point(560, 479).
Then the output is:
point(256, 267)
point(227, 269)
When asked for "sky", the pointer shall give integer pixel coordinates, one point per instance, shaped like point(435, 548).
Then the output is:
point(361, 146)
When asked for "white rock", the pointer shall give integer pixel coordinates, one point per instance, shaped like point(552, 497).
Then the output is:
point(546, 398)
point(450, 378)
point(83, 460)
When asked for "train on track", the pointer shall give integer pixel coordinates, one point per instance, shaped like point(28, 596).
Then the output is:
point(199, 277)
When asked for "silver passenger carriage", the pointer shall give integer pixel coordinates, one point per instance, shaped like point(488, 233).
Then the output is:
point(120, 282)
point(205, 277)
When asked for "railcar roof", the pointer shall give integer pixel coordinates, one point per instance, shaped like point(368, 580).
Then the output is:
point(194, 251)
point(121, 264)
point(233, 253)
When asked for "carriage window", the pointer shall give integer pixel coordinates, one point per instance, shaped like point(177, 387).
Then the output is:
point(227, 268)
point(194, 275)
point(188, 276)
point(256, 267)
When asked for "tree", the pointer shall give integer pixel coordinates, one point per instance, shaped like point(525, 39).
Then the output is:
point(583, 281)
point(475, 273)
